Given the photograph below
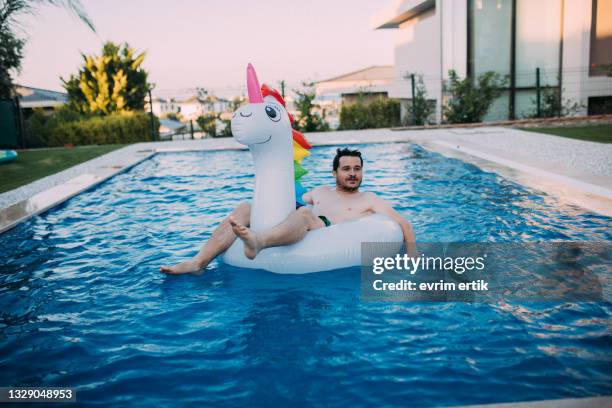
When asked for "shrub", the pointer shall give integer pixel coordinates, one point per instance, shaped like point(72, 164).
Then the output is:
point(65, 127)
point(553, 105)
point(470, 99)
point(420, 108)
point(378, 113)
point(308, 120)
point(208, 124)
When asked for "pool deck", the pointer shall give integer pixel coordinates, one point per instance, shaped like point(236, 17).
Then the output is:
point(578, 172)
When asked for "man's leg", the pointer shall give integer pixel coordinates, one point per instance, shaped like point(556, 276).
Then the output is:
point(292, 230)
point(221, 239)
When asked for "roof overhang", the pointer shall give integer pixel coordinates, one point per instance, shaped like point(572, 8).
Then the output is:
point(41, 104)
point(399, 12)
point(354, 88)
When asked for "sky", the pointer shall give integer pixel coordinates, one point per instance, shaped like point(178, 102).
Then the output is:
point(208, 43)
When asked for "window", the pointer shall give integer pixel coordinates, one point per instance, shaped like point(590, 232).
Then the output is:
point(600, 105)
point(513, 38)
point(601, 38)
point(490, 39)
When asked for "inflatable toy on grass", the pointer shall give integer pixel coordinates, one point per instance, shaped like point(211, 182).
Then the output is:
point(7, 156)
point(264, 125)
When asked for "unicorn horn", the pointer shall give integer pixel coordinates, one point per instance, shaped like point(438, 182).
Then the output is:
point(253, 86)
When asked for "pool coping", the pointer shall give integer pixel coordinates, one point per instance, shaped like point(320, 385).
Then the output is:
point(571, 187)
point(589, 196)
point(15, 214)
point(588, 402)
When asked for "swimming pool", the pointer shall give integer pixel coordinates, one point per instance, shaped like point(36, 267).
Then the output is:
point(83, 303)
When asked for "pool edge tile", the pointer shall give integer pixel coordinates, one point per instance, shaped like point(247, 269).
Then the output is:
point(588, 402)
point(590, 196)
point(15, 214)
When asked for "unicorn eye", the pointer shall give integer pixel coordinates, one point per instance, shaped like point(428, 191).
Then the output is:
point(272, 113)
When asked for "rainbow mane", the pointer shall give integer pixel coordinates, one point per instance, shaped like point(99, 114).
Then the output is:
point(301, 146)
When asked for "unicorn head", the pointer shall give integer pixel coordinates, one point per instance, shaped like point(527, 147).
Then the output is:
point(264, 123)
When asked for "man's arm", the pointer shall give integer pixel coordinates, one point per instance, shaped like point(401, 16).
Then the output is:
point(381, 206)
point(308, 197)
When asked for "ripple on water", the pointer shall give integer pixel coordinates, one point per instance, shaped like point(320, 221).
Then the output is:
point(82, 302)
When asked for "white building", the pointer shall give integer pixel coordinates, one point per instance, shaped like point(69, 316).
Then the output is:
point(570, 41)
point(373, 81)
point(189, 108)
point(365, 84)
point(30, 98)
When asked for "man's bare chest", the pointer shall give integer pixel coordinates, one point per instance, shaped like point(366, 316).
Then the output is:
point(332, 203)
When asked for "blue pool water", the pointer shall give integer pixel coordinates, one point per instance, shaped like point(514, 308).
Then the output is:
point(82, 303)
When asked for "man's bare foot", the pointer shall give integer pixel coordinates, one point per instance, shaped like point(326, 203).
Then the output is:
point(190, 266)
point(251, 245)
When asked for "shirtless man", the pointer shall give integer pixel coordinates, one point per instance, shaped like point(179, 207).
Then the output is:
point(330, 206)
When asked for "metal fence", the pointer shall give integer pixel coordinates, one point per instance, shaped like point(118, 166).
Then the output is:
point(530, 95)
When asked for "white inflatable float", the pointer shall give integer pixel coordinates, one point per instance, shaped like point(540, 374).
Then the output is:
point(265, 127)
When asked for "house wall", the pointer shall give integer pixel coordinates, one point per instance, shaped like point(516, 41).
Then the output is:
point(576, 81)
point(417, 50)
point(431, 44)
point(437, 41)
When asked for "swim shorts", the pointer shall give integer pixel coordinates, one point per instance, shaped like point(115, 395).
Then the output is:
point(326, 221)
point(323, 218)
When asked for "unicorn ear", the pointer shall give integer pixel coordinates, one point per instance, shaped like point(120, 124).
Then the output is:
point(253, 86)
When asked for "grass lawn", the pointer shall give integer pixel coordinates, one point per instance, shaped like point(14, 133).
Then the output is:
point(31, 165)
point(593, 133)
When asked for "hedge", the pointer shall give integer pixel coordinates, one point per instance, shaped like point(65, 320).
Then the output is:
point(62, 128)
point(379, 113)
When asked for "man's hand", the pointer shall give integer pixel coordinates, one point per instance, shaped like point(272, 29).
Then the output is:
point(307, 197)
point(380, 206)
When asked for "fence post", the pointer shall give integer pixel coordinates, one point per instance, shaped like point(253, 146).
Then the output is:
point(282, 84)
point(151, 117)
point(538, 90)
point(413, 104)
point(191, 127)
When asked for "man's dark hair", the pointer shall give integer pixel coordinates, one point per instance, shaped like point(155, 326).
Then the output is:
point(346, 152)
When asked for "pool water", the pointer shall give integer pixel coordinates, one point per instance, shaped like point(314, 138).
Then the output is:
point(82, 302)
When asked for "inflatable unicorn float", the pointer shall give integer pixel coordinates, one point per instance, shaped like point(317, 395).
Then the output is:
point(264, 126)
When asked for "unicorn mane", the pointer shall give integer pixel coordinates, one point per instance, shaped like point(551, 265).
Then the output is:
point(301, 146)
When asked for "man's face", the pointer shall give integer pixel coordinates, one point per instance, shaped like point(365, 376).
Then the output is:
point(349, 173)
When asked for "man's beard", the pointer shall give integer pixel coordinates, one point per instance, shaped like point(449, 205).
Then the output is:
point(346, 187)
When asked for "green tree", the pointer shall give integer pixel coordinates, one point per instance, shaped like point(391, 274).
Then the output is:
point(11, 46)
point(470, 98)
point(422, 108)
point(308, 120)
point(11, 53)
point(108, 83)
point(208, 124)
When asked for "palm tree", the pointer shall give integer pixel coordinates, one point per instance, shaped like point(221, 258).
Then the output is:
point(9, 9)
point(11, 46)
